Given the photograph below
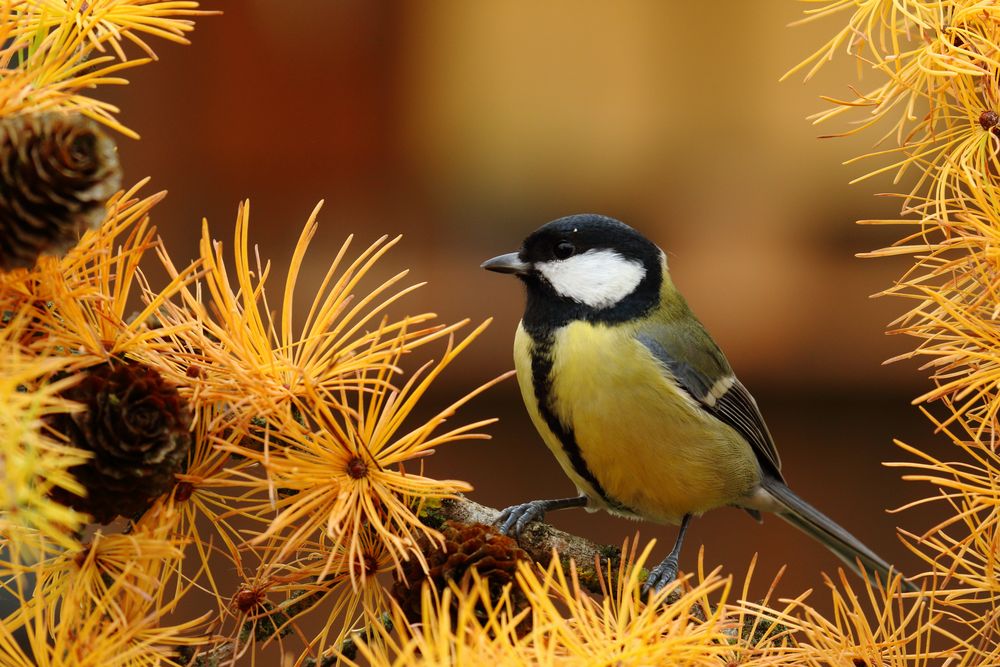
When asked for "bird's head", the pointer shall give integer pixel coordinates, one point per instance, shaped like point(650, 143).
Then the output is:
point(586, 267)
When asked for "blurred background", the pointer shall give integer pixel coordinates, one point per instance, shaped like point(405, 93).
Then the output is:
point(465, 125)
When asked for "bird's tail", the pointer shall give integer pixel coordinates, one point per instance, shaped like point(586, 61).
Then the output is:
point(848, 548)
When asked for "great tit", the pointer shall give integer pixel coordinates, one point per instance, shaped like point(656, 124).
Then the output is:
point(634, 398)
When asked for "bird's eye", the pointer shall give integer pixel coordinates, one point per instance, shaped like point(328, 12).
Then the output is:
point(564, 249)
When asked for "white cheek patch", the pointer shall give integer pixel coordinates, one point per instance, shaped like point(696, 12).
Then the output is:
point(596, 278)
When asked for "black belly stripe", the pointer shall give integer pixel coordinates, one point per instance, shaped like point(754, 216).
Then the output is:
point(541, 373)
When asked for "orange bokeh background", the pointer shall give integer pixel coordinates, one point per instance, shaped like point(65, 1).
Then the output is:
point(465, 125)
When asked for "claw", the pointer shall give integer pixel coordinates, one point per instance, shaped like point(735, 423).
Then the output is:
point(517, 517)
point(660, 576)
point(664, 573)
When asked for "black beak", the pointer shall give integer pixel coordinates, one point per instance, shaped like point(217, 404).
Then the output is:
point(509, 263)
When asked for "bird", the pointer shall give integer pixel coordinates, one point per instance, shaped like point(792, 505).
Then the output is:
point(635, 399)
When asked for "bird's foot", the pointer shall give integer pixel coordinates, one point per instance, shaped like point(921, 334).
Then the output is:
point(661, 576)
point(516, 518)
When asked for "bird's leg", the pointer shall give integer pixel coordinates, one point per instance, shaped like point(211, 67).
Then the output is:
point(516, 518)
point(666, 572)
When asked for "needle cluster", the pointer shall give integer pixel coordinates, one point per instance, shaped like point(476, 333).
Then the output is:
point(936, 100)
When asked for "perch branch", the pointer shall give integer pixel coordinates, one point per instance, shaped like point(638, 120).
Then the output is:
point(538, 539)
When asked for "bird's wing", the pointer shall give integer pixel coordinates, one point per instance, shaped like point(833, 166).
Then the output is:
point(703, 372)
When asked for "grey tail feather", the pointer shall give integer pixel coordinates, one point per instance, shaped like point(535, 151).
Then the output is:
point(845, 546)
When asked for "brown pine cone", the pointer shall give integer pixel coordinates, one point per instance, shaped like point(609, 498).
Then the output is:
point(466, 546)
point(137, 426)
point(57, 171)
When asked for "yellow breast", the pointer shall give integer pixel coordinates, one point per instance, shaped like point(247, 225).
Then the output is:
point(652, 452)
